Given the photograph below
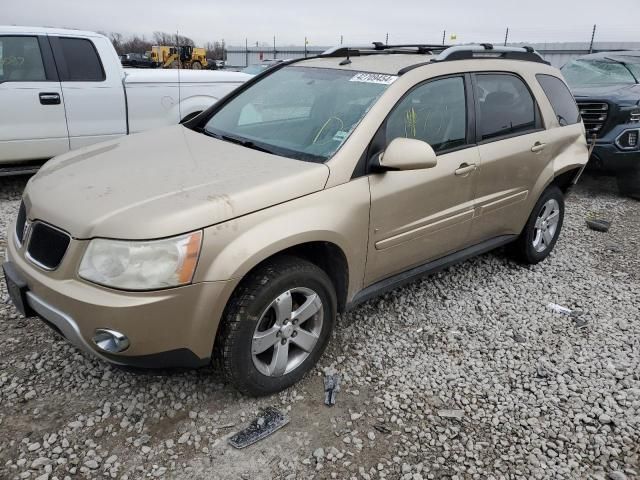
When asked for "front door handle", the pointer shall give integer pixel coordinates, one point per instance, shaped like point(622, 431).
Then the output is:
point(538, 147)
point(465, 168)
point(50, 98)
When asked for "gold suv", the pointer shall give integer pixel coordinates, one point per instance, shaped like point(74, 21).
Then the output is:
point(319, 184)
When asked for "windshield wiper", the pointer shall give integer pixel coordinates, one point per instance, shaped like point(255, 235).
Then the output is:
point(245, 143)
point(240, 141)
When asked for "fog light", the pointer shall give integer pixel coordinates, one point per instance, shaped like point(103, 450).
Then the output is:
point(628, 140)
point(110, 341)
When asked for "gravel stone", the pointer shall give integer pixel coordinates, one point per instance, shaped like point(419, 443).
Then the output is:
point(466, 374)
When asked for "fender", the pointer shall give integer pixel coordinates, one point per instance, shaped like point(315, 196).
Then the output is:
point(339, 215)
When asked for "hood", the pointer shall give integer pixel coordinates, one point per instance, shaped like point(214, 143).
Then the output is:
point(161, 183)
point(608, 92)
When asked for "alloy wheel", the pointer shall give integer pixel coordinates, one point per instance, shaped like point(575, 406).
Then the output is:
point(287, 332)
point(546, 225)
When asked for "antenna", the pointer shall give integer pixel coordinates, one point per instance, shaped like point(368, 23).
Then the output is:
point(179, 68)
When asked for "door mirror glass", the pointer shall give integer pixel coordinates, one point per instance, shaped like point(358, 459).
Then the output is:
point(407, 154)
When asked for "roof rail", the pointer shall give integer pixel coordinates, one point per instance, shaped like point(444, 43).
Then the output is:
point(487, 50)
point(379, 48)
point(420, 47)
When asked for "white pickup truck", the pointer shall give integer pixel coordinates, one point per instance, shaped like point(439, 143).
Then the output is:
point(65, 89)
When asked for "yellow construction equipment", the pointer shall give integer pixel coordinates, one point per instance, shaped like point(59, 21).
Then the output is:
point(184, 56)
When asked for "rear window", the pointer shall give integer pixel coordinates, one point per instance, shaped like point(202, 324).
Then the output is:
point(83, 63)
point(563, 103)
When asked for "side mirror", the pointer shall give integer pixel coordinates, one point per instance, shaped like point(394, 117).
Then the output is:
point(407, 154)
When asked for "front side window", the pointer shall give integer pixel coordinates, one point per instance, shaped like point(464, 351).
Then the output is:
point(563, 103)
point(299, 112)
point(505, 106)
point(83, 63)
point(584, 73)
point(21, 60)
point(434, 112)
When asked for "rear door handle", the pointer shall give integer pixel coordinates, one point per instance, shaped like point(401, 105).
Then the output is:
point(465, 168)
point(49, 98)
point(538, 147)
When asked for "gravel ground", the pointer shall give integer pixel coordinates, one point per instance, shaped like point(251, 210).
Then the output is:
point(466, 374)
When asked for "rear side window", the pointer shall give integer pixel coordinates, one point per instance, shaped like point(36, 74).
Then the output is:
point(505, 106)
point(21, 60)
point(83, 63)
point(563, 103)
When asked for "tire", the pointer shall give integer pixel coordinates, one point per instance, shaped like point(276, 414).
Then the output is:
point(196, 66)
point(629, 183)
point(251, 312)
point(533, 245)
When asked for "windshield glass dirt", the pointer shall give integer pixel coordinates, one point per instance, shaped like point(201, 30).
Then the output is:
point(582, 73)
point(299, 112)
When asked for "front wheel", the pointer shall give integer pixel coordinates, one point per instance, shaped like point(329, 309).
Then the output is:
point(196, 66)
point(276, 325)
point(542, 229)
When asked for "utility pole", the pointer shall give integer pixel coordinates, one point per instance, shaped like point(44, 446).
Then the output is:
point(593, 35)
point(506, 37)
point(341, 39)
point(305, 47)
point(274, 47)
point(386, 41)
point(246, 52)
point(444, 34)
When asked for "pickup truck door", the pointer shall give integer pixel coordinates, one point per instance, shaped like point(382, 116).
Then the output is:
point(32, 124)
point(91, 79)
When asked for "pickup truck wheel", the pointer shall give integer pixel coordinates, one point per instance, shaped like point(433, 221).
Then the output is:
point(542, 229)
point(629, 183)
point(276, 325)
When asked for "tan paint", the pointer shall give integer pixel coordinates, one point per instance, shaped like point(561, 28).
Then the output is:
point(252, 205)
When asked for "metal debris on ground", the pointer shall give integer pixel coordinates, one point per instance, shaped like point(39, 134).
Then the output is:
point(554, 307)
point(269, 421)
point(453, 413)
point(382, 429)
point(598, 224)
point(331, 388)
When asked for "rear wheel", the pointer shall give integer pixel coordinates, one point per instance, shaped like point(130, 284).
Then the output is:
point(542, 229)
point(276, 325)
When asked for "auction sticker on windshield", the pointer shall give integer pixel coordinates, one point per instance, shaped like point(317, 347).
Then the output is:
point(380, 78)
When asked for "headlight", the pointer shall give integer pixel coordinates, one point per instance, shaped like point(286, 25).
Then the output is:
point(141, 265)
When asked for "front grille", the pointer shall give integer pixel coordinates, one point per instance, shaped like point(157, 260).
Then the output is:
point(594, 115)
point(47, 245)
point(22, 218)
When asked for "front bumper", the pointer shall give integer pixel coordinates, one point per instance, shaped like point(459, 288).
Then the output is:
point(167, 328)
point(609, 157)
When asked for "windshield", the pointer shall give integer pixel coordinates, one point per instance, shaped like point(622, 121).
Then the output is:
point(584, 73)
point(299, 112)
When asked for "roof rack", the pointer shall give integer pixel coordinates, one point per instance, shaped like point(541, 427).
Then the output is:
point(444, 53)
point(381, 48)
point(487, 50)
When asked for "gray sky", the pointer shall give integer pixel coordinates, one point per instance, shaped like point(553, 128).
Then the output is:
point(324, 21)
